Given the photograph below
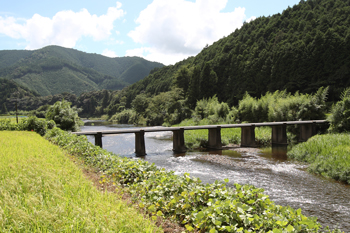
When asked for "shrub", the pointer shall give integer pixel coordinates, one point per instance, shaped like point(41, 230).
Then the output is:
point(32, 123)
point(212, 109)
point(128, 116)
point(283, 106)
point(340, 116)
point(64, 116)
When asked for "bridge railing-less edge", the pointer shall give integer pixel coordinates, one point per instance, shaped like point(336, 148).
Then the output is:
point(279, 134)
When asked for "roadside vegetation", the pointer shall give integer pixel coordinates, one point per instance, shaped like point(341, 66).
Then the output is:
point(42, 190)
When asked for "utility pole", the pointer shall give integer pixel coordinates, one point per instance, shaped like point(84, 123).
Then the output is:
point(16, 112)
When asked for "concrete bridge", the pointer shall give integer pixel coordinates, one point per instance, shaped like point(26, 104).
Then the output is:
point(279, 134)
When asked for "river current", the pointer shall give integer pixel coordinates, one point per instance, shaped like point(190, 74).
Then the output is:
point(286, 182)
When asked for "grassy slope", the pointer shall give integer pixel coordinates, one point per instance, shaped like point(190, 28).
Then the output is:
point(42, 190)
point(328, 155)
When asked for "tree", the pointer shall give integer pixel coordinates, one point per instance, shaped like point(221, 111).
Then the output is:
point(4, 109)
point(182, 79)
point(64, 116)
point(208, 81)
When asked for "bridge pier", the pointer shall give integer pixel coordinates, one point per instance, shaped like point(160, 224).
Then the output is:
point(307, 131)
point(179, 141)
point(248, 136)
point(98, 139)
point(140, 149)
point(214, 138)
point(279, 135)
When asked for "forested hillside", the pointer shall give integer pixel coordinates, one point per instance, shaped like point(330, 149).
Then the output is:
point(302, 49)
point(54, 70)
point(10, 91)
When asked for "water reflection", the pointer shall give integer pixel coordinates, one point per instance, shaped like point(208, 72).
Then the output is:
point(285, 181)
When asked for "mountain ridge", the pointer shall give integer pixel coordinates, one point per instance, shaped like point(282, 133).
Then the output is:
point(81, 71)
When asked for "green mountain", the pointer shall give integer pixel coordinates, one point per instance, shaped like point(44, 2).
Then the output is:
point(302, 49)
point(53, 70)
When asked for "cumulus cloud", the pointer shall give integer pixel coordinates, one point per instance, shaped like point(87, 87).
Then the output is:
point(179, 28)
point(109, 53)
point(251, 19)
point(64, 29)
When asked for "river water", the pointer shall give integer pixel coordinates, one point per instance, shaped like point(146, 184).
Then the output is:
point(286, 182)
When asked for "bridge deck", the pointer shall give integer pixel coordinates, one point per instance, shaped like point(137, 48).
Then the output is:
point(279, 134)
point(159, 129)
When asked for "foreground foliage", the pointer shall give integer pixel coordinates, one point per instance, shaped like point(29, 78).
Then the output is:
point(205, 207)
point(42, 190)
point(27, 124)
point(328, 155)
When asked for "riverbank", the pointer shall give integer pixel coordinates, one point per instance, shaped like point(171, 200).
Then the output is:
point(41, 189)
point(185, 198)
point(328, 155)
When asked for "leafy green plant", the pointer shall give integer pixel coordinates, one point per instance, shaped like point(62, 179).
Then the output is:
point(340, 116)
point(64, 116)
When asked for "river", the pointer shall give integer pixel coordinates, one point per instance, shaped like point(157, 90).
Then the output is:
point(286, 182)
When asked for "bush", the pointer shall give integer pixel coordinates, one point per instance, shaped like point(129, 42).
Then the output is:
point(64, 116)
point(128, 116)
point(32, 123)
point(212, 109)
point(283, 106)
point(340, 116)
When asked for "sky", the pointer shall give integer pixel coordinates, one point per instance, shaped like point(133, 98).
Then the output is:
point(165, 31)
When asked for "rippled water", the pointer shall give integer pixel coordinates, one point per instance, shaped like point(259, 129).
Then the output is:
point(286, 182)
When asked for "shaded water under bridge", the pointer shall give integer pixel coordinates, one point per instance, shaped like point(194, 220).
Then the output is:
point(278, 137)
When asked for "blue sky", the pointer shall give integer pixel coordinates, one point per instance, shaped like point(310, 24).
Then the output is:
point(166, 31)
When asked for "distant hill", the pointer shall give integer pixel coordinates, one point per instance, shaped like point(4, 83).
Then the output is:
point(10, 91)
point(54, 70)
point(302, 49)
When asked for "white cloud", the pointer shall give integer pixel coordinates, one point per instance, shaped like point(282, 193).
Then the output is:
point(179, 28)
point(109, 53)
point(64, 29)
point(153, 54)
point(251, 19)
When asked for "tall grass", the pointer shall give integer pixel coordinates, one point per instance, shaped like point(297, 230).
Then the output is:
point(328, 155)
point(42, 190)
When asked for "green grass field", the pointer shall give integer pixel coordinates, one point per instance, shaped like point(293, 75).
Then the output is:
point(42, 190)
